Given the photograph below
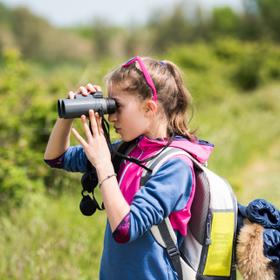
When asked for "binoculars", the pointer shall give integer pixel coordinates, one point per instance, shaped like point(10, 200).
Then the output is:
point(80, 105)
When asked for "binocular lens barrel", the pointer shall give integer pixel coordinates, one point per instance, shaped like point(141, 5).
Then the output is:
point(74, 108)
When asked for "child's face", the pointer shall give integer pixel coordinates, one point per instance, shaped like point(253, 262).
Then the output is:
point(130, 119)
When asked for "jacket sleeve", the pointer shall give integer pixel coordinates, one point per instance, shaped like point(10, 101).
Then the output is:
point(74, 159)
point(168, 190)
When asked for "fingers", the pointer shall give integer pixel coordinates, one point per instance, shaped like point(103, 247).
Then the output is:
point(71, 94)
point(97, 87)
point(85, 90)
point(93, 122)
point(89, 89)
point(87, 131)
point(93, 88)
point(82, 90)
point(96, 125)
point(99, 123)
point(86, 128)
point(79, 137)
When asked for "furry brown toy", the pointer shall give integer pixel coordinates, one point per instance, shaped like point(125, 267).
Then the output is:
point(251, 262)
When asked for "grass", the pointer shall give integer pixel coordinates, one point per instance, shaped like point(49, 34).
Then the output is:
point(50, 239)
point(242, 128)
point(261, 177)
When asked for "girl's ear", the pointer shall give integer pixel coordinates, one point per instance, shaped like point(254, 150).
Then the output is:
point(151, 107)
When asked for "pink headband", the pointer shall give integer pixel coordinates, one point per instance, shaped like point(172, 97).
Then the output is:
point(145, 73)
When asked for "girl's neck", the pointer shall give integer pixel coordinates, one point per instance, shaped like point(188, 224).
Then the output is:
point(158, 130)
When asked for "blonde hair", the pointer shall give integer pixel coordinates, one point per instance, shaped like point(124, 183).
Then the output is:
point(171, 92)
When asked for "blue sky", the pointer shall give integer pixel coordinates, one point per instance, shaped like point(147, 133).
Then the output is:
point(123, 12)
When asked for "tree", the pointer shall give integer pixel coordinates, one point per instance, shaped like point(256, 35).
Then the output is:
point(266, 15)
point(270, 16)
point(224, 22)
point(170, 30)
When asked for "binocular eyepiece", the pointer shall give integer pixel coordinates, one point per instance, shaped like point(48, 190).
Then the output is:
point(80, 105)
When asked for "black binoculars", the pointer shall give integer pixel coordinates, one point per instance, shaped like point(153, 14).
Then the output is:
point(80, 105)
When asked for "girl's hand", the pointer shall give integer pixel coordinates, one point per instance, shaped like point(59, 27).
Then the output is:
point(84, 90)
point(95, 145)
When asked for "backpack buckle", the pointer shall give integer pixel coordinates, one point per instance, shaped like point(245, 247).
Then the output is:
point(173, 251)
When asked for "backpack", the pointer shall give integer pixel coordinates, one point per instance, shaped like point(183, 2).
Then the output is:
point(208, 250)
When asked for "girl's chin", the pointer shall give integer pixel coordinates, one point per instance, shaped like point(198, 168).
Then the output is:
point(126, 138)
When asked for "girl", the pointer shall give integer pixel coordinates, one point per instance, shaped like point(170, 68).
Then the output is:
point(152, 103)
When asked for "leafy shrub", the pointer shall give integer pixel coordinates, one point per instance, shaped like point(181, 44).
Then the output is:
point(26, 119)
point(195, 57)
point(247, 74)
point(228, 49)
point(272, 62)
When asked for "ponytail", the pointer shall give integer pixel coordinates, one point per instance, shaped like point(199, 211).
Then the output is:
point(178, 115)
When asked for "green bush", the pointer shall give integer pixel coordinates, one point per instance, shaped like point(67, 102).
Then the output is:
point(247, 74)
point(271, 65)
point(228, 49)
point(196, 57)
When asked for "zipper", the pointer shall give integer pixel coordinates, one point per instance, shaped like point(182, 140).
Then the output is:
point(204, 252)
point(208, 230)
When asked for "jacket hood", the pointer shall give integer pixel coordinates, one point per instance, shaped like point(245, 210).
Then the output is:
point(200, 149)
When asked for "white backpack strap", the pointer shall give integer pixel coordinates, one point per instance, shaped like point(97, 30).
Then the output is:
point(157, 162)
point(156, 233)
point(167, 235)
